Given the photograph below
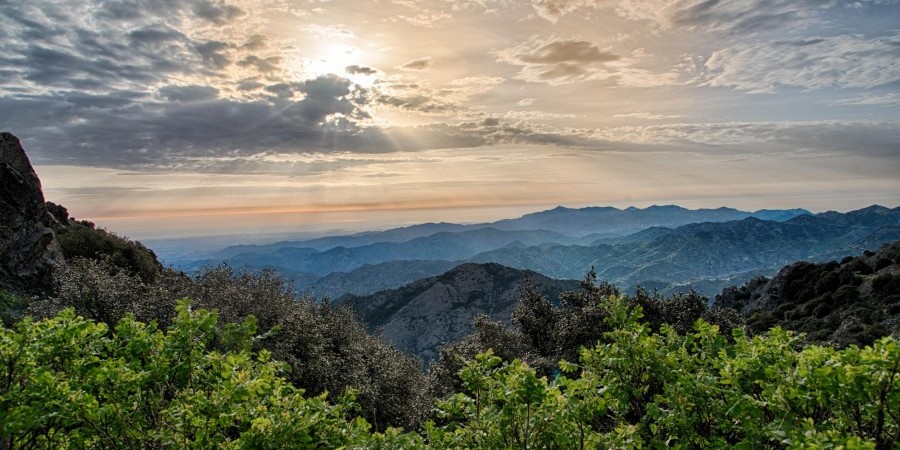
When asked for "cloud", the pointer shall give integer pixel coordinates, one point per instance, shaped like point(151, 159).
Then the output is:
point(557, 61)
point(732, 17)
point(330, 31)
point(445, 100)
point(526, 102)
point(126, 44)
point(424, 19)
point(360, 70)
point(188, 93)
point(881, 99)
point(563, 61)
point(217, 11)
point(418, 64)
point(645, 115)
point(560, 52)
point(319, 114)
point(847, 61)
point(537, 115)
point(809, 137)
point(488, 131)
point(262, 65)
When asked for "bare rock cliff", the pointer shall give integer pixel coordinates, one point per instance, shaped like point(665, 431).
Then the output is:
point(29, 253)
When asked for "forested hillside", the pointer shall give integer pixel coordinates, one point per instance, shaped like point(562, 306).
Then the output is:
point(854, 301)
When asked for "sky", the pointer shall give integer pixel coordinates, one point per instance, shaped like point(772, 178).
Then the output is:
point(164, 118)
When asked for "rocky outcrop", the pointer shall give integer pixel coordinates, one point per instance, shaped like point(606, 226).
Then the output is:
point(29, 253)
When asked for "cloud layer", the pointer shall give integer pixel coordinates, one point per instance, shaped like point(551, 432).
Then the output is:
point(323, 90)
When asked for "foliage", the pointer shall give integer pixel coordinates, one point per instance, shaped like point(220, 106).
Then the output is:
point(854, 301)
point(696, 390)
point(98, 290)
point(504, 343)
point(82, 240)
point(545, 334)
point(12, 307)
point(327, 349)
point(72, 383)
point(67, 382)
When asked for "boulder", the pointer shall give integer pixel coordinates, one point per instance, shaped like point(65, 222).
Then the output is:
point(30, 257)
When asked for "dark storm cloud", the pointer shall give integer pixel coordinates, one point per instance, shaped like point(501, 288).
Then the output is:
point(154, 35)
point(249, 85)
point(213, 54)
point(416, 102)
point(66, 48)
point(256, 42)
point(119, 43)
point(217, 12)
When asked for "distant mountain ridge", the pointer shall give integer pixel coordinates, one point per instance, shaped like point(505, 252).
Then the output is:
point(709, 250)
point(606, 219)
point(573, 222)
point(706, 255)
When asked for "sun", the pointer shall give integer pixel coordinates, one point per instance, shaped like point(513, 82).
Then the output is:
point(335, 59)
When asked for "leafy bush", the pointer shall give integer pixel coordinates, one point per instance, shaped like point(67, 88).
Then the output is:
point(97, 289)
point(82, 240)
point(66, 382)
point(851, 302)
point(640, 388)
point(12, 307)
point(327, 348)
point(544, 334)
point(71, 383)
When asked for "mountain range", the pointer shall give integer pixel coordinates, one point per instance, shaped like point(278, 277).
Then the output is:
point(716, 248)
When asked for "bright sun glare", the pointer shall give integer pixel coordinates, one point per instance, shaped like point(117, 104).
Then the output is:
point(334, 59)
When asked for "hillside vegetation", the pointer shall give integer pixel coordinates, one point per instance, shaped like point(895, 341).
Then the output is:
point(75, 383)
point(854, 301)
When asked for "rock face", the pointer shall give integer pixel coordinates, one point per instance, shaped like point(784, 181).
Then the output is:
point(29, 253)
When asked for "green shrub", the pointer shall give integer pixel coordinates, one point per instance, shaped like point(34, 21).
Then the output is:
point(81, 240)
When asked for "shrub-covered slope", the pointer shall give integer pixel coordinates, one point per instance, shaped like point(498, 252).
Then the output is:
point(854, 301)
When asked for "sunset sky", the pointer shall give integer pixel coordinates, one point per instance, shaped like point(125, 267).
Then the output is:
point(163, 118)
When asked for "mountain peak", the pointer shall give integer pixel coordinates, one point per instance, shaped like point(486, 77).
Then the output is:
point(420, 316)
